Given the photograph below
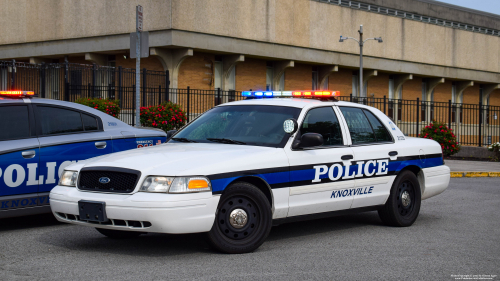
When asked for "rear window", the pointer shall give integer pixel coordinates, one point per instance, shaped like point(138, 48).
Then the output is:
point(55, 120)
point(14, 122)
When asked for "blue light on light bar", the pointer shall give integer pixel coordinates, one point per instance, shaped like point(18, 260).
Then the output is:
point(269, 94)
point(246, 94)
point(258, 94)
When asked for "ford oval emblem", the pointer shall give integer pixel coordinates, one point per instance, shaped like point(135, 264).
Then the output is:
point(104, 180)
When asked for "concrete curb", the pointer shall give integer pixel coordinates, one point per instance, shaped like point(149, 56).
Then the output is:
point(474, 174)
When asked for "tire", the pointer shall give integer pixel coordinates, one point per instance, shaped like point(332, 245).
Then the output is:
point(240, 235)
point(394, 212)
point(118, 234)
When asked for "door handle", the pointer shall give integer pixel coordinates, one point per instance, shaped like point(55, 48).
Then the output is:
point(100, 144)
point(393, 153)
point(28, 154)
point(346, 157)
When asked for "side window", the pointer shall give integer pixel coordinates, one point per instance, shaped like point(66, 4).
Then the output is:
point(323, 121)
point(380, 131)
point(55, 120)
point(89, 122)
point(359, 127)
point(14, 122)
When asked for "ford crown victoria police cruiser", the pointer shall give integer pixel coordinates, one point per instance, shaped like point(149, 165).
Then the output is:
point(242, 166)
point(40, 137)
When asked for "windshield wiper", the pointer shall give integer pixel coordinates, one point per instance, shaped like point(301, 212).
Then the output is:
point(229, 141)
point(183, 140)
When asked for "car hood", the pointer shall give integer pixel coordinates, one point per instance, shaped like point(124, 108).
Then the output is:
point(178, 159)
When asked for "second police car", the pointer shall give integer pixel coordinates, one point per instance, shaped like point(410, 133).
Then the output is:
point(242, 166)
point(40, 137)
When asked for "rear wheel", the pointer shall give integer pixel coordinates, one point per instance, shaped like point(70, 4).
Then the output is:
point(403, 205)
point(243, 220)
point(118, 234)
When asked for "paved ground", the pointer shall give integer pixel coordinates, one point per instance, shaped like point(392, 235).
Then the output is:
point(457, 232)
point(472, 166)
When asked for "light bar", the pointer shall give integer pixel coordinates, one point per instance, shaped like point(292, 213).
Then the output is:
point(271, 94)
point(17, 93)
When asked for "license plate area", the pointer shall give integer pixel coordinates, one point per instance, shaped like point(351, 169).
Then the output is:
point(92, 211)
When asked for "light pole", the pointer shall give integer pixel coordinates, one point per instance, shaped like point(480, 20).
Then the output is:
point(361, 43)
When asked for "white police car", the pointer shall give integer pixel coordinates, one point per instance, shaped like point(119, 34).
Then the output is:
point(40, 137)
point(242, 166)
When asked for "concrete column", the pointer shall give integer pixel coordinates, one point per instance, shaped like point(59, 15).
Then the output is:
point(461, 86)
point(228, 64)
point(487, 89)
point(171, 59)
point(96, 58)
point(367, 75)
point(431, 84)
point(38, 60)
point(325, 71)
point(399, 80)
point(279, 70)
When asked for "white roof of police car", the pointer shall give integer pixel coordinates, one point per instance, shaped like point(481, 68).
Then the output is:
point(293, 102)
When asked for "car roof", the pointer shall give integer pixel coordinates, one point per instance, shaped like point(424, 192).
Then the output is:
point(293, 102)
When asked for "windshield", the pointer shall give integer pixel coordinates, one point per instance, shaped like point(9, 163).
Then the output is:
point(260, 125)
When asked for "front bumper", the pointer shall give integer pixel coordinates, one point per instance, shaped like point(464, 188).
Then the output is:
point(142, 211)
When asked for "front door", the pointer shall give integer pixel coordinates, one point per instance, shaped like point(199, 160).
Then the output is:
point(319, 176)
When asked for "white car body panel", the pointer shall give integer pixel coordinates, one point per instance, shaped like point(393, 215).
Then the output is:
point(290, 174)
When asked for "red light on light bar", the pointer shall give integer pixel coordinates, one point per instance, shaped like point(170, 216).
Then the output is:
point(17, 93)
point(297, 93)
point(307, 93)
point(322, 93)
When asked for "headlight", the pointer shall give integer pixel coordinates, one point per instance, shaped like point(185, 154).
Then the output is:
point(68, 178)
point(176, 185)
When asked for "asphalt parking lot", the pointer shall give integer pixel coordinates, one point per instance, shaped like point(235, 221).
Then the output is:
point(457, 232)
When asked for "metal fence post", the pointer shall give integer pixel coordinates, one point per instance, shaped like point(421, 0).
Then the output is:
point(449, 114)
point(418, 119)
point(144, 74)
point(159, 94)
point(480, 121)
point(188, 104)
point(120, 89)
point(13, 75)
point(42, 80)
point(350, 97)
point(218, 96)
point(385, 102)
point(66, 81)
point(94, 77)
point(133, 108)
point(167, 85)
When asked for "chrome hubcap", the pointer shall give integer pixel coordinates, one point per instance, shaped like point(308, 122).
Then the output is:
point(238, 218)
point(405, 198)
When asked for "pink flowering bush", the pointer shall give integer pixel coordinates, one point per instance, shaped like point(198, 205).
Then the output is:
point(166, 116)
point(110, 107)
point(443, 135)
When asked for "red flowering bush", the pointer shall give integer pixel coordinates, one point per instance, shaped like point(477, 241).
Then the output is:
point(111, 107)
point(443, 135)
point(166, 116)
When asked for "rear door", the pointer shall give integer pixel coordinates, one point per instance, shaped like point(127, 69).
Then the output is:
point(320, 178)
point(66, 135)
point(372, 145)
point(19, 154)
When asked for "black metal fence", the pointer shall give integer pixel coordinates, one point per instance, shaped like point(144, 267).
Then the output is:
point(473, 124)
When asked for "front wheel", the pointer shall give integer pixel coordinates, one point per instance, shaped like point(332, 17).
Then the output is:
point(403, 205)
point(243, 220)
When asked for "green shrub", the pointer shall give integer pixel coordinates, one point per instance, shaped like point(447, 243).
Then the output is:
point(166, 116)
point(443, 135)
point(110, 107)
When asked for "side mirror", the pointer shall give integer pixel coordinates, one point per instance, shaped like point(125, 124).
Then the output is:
point(290, 126)
point(311, 140)
point(171, 133)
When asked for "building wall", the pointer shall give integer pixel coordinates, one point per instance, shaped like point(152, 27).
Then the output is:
point(298, 77)
point(442, 92)
point(251, 74)
point(197, 72)
point(303, 23)
point(341, 81)
point(378, 85)
point(471, 95)
point(495, 98)
point(412, 89)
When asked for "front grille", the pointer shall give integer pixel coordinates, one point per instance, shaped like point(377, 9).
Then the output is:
point(105, 179)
